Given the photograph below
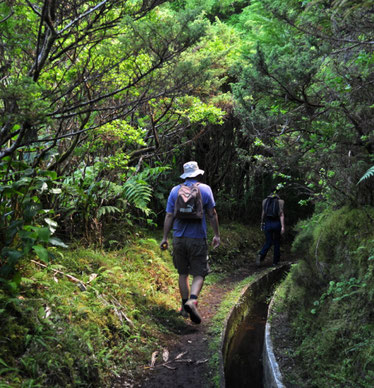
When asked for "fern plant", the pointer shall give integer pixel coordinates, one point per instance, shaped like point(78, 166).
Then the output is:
point(138, 192)
point(137, 189)
point(367, 174)
point(103, 210)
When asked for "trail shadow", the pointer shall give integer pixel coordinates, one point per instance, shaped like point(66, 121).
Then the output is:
point(171, 321)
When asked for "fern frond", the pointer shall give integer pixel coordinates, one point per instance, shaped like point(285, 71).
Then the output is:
point(137, 192)
point(367, 174)
point(152, 172)
point(107, 210)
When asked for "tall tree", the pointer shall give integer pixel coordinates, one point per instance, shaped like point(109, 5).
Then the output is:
point(306, 94)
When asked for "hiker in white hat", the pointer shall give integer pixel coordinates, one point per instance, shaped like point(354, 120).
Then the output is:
point(191, 170)
point(187, 206)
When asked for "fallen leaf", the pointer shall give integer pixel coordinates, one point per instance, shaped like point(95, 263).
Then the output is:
point(153, 360)
point(169, 367)
point(165, 355)
point(180, 355)
point(92, 277)
point(188, 360)
point(48, 312)
point(201, 361)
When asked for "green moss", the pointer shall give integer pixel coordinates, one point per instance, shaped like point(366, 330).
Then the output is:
point(328, 297)
point(76, 327)
point(93, 315)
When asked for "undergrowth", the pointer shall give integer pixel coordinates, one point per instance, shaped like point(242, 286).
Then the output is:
point(87, 318)
point(328, 299)
point(90, 317)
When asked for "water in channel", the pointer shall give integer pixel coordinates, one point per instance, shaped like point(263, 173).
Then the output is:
point(243, 367)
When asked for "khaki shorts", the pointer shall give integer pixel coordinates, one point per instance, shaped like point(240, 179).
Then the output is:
point(190, 256)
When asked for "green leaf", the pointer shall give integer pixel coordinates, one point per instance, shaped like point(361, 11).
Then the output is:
point(106, 210)
point(12, 255)
point(4, 370)
point(41, 252)
point(51, 174)
point(57, 242)
point(43, 234)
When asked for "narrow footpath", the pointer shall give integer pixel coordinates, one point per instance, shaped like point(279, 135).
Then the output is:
point(189, 351)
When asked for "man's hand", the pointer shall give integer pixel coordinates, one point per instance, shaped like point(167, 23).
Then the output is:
point(216, 241)
point(168, 223)
point(164, 245)
point(282, 230)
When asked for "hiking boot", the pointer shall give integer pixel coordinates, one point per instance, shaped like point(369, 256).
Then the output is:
point(191, 307)
point(183, 312)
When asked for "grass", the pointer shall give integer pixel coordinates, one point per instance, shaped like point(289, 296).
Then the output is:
point(90, 316)
point(85, 332)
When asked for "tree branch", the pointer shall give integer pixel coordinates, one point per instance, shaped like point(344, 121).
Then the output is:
point(7, 17)
point(83, 15)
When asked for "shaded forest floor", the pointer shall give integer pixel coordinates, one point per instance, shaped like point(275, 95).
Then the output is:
point(109, 327)
point(188, 347)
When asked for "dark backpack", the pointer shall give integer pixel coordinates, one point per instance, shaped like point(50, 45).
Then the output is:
point(271, 208)
point(189, 203)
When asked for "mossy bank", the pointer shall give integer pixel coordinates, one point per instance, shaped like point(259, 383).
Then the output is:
point(323, 314)
point(89, 317)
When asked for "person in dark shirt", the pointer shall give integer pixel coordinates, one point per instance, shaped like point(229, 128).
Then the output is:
point(272, 223)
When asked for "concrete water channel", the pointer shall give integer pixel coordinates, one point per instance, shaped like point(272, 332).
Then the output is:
point(247, 358)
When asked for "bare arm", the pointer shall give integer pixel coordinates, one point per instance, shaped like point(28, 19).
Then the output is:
point(282, 222)
point(168, 224)
point(213, 218)
point(262, 225)
point(281, 216)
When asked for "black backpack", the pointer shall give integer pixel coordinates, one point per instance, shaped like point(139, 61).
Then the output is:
point(189, 203)
point(271, 208)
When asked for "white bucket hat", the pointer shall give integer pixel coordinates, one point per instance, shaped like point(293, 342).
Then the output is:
point(191, 169)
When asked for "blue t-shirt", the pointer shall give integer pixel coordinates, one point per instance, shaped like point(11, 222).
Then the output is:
point(193, 229)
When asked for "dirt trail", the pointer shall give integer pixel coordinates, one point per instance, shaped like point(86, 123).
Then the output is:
point(193, 342)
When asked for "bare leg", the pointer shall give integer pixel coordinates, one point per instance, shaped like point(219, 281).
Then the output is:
point(184, 287)
point(197, 285)
point(191, 305)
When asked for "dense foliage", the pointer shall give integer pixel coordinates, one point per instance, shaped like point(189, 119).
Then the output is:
point(93, 318)
point(101, 102)
point(97, 100)
point(305, 95)
point(90, 92)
